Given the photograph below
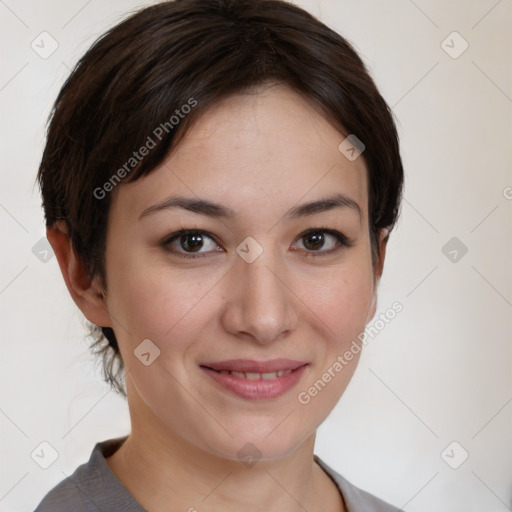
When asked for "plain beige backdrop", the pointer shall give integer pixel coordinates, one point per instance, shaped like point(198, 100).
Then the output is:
point(426, 421)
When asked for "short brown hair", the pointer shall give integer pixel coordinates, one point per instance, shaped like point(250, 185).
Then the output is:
point(143, 71)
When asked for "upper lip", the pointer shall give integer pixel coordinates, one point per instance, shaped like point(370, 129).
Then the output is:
point(250, 365)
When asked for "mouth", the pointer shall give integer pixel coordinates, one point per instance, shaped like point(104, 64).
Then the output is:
point(256, 379)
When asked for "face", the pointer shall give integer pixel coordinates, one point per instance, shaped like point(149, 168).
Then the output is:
point(259, 277)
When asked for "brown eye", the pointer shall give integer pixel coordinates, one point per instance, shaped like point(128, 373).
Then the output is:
point(314, 241)
point(320, 242)
point(191, 242)
point(188, 243)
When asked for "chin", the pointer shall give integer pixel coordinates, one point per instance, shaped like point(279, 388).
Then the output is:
point(253, 441)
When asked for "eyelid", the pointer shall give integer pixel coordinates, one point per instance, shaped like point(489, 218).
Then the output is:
point(187, 231)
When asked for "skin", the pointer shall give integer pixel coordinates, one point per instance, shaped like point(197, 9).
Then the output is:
point(259, 155)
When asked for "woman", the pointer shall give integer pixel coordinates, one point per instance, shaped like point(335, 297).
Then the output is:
point(219, 182)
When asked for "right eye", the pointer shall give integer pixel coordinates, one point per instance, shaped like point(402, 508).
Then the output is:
point(189, 242)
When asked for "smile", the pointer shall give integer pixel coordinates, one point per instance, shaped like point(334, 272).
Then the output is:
point(255, 380)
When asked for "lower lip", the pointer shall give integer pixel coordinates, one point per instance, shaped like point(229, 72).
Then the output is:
point(256, 389)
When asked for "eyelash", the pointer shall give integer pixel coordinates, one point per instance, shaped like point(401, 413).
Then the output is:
point(343, 241)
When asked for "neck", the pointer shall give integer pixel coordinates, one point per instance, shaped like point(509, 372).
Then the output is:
point(167, 473)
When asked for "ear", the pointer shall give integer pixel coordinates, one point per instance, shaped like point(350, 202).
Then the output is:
point(378, 267)
point(86, 292)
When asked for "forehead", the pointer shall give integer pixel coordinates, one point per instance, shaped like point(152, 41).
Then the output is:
point(261, 152)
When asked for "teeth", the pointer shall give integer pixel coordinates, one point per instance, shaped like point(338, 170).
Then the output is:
point(257, 376)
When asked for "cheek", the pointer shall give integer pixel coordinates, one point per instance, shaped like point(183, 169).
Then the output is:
point(151, 301)
point(342, 301)
point(340, 308)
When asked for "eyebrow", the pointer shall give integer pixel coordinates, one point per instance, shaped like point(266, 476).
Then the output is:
point(216, 210)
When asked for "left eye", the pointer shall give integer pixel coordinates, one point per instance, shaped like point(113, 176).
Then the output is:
point(314, 241)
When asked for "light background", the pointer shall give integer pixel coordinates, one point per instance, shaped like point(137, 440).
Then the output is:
point(439, 372)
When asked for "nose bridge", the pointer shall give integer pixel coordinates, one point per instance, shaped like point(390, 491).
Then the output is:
point(263, 306)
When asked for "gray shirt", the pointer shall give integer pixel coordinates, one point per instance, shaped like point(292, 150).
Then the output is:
point(93, 487)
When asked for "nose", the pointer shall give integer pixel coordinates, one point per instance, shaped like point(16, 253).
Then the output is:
point(261, 306)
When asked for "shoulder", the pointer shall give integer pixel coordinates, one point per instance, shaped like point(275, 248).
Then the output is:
point(355, 498)
point(66, 493)
point(91, 488)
